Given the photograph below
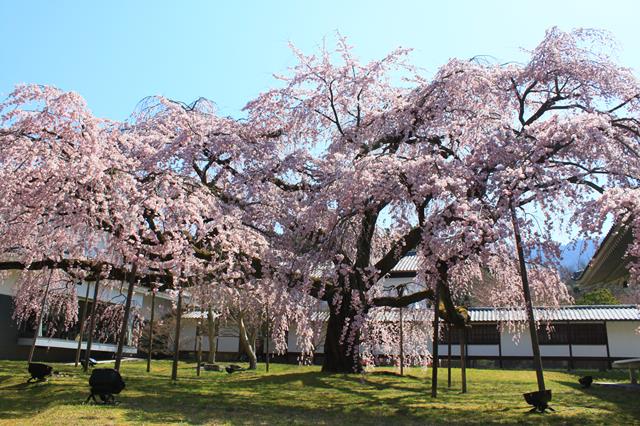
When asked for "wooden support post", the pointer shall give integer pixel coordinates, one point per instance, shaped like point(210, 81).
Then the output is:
point(195, 340)
point(537, 359)
point(199, 355)
point(570, 341)
point(176, 343)
point(500, 346)
point(40, 317)
point(92, 326)
point(83, 318)
point(213, 346)
point(401, 343)
point(449, 355)
point(436, 343)
point(125, 319)
point(463, 358)
point(150, 348)
point(266, 341)
point(196, 350)
point(606, 337)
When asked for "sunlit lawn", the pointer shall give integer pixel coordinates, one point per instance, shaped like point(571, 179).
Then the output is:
point(302, 395)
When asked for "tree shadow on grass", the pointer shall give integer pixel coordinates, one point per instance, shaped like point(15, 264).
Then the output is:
point(625, 400)
point(359, 385)
point(314, 379)
point(19, 399)
point(25, 400)
point(299, 397)
point(24, 385)
point(184, 405)
point(6, 379)
point(303, 397)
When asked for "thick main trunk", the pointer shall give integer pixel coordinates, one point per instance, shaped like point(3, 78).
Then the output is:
point(342, 342)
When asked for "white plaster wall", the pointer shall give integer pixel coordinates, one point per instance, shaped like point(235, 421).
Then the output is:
point(228, 344)
point(589, 350)
point(443, 349)
point(624, 341)
point(395, 281)
point(109, 291)
point(163, 306)
point(482, 350)
point(113, 293)
point(291, 340)
point(8, 283)
point(412, 287)
point(554, 350)
point(187, 335)
point(228, 340)
point(521, 347)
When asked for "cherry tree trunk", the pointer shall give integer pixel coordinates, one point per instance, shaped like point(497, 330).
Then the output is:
point(247, 345)
point(125, 319)
point(176, 340)
point(448, 355)
point(266, 340)
point(198, 353)
point(537, 360)
point(83, 319)
point(40, 317)
point(212, 325)
point(150, 350)
point(401, 344)
point(463, 358)
point(436, 326)
point(92, 326)
point(341, 355)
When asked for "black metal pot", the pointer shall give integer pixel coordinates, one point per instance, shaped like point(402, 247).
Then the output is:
point(539, 400)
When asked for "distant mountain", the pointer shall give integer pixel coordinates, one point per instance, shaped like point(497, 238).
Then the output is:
point(576, 256)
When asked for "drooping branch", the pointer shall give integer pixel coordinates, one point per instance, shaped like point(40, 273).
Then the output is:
point(116, 273)
point(452, 314)
point(398, 250)
point(403, 301)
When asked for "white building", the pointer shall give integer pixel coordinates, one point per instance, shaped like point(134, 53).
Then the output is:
point(581, 336)
point(15, 341)
point(578, 337)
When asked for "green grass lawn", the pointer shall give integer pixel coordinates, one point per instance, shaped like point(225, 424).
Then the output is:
point(292, 394)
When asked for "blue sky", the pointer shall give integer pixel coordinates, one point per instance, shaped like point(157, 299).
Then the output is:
point(115, 53)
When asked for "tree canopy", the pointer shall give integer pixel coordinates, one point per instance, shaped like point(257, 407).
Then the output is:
point(332, 178)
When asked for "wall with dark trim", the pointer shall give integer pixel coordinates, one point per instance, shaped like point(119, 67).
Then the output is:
point(9, 331)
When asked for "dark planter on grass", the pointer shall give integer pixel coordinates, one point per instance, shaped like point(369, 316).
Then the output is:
point(39, 371)
point(105, 382)
point(539, 400)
